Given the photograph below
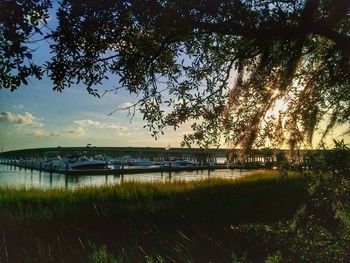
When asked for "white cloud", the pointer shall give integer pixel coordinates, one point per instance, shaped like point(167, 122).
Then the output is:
point(37, 133)
point(87, 122)
point(125, 105)
point(97, 124)
point(20, 119)
point(113, 126)
point(77, 131)
point(44, 133)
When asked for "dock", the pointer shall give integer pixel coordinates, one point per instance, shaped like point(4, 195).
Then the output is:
point(202, 159)
point(125, 170)
point(138, 170)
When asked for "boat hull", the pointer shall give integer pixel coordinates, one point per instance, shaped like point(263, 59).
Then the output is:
point(89, 166)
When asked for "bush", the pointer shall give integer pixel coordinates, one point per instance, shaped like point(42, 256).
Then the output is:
point(320, 230)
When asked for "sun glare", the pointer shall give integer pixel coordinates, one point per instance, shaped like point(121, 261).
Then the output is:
point(280, 106)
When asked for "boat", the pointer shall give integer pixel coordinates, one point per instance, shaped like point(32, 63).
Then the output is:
point(183, 163)
point(173, 162)
point(51, 163)
point(81, 162)
point(104, 158)
point(141, 162)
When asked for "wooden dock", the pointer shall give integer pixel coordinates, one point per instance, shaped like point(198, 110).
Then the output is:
point(139, 170)
point(127, 169)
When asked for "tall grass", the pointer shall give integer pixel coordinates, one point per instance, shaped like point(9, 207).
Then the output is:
point(146, 222)
point(263, 189)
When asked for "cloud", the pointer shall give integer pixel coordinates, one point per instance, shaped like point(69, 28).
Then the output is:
point(97, 124)
point(112, 126)
point(20, 119)
point(44, 133)
point(125, 105)
point(77, 131)
point(37, 133)
point(87, 122)
point(54, 134)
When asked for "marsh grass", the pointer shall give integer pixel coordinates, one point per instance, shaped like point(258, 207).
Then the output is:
point(140, 222)
point(263, 189)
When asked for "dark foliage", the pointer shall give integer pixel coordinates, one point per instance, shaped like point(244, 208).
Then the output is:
point(221, 64)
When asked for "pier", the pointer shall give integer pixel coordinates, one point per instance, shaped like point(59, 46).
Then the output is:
point(203, 159)
point(209, 155)
point(139, 170)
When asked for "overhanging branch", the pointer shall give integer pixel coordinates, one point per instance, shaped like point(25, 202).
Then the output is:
point(282, 32)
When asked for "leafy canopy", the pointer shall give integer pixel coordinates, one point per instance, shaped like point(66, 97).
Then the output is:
point(222, 64)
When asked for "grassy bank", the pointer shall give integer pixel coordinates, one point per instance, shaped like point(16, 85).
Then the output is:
point(178, 221)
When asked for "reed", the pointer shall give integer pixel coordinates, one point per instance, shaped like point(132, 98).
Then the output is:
point(263, 189)
point(141, 222)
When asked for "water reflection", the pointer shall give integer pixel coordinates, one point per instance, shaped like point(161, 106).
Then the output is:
point(12, 176)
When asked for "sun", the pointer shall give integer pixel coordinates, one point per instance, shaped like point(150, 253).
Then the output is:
point(280, 106)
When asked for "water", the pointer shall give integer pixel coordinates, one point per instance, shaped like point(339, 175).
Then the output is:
point(12, 176)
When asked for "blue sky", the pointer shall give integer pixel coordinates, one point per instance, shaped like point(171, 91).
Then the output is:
point(37, 116)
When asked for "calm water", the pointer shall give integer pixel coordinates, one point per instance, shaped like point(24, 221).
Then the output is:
point(19, 177)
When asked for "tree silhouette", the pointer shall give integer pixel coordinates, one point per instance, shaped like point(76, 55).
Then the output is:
point(222, 64)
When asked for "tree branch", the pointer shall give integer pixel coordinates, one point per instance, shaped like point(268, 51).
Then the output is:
point(282, 32)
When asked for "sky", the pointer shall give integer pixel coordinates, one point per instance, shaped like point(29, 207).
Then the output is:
point(36, 116)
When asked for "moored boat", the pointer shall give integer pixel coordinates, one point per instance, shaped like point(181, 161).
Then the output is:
point(183, 162)
point(81, 162)
point(173, 162)
point(141, 162)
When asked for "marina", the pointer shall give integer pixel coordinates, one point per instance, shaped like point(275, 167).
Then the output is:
point(80, 167)
point(129, 160)
point(18, 177)
point(88, 166)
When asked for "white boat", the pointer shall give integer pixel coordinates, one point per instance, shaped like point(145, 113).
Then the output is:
point(82, 162)
point(141, 162)
point(125, 160)
point(177, 163)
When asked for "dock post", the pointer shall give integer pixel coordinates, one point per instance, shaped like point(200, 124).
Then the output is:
point(169, 176)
